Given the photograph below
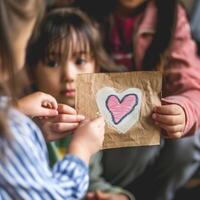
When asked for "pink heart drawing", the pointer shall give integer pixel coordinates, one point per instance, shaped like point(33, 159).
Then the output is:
point(119, 109)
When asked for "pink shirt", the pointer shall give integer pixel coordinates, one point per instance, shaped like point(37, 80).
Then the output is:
point(121, 41)
point(182, 71)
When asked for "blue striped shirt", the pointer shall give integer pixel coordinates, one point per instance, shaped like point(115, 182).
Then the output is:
point(25, 172)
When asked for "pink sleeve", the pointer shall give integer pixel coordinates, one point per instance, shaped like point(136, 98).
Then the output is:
point(182, 79)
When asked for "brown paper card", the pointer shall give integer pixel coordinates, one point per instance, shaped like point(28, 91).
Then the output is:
point(124, 108)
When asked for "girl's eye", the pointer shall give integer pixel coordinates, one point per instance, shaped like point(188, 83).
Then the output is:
point(80, 61)
point(52, 63)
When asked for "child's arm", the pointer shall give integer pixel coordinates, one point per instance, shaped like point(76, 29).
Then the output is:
point(27, 163)
point(182, 76)
point(38, 104)
point(87, 140)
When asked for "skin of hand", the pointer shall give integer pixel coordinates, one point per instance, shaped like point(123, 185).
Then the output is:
point(38, 104)
point(99, 195)
point(88, 138)
point(60, 126)
point(171, 118)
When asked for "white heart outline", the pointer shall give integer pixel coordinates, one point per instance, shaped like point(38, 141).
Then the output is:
point(130, 119)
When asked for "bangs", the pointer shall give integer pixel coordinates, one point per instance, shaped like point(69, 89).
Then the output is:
point(67, 43)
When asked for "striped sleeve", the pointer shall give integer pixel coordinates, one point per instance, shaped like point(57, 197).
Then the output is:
point(25, 174)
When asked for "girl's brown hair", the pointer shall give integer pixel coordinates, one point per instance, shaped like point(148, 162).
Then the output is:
point(59, 27)
point(14, 15)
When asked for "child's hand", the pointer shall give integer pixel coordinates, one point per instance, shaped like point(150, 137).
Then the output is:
point(38, 104)
point(88, 138)
point(105, 196)
point(58, 127)
point(171, 118)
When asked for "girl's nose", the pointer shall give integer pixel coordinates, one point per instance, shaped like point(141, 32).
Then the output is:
point(69, 72)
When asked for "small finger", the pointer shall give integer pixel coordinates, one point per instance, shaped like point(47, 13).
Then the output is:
point(54, 105)
point(65, 109)
point(44, 104)
point(46, 112)
point(168, 128)
point(69, 118)
point(168, 110)
point(168, 119)
point(51, 102)
point(62, 127)
point(49, 105)
point(174, 135)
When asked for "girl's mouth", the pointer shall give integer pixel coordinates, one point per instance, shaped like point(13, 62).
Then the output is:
point(69, 93)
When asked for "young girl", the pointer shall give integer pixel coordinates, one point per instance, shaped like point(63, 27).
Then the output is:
point(24, 170)
point(67, 44)
point(151, 35)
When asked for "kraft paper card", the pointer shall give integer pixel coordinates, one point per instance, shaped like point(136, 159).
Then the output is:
point(126, 101)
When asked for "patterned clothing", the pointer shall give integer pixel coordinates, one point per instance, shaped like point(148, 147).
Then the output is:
point(24, 168)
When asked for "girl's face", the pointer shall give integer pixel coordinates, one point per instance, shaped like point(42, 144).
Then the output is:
point(130, 4)
point(59, 79)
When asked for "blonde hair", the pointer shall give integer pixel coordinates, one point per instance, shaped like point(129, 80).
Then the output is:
point(14, 15)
